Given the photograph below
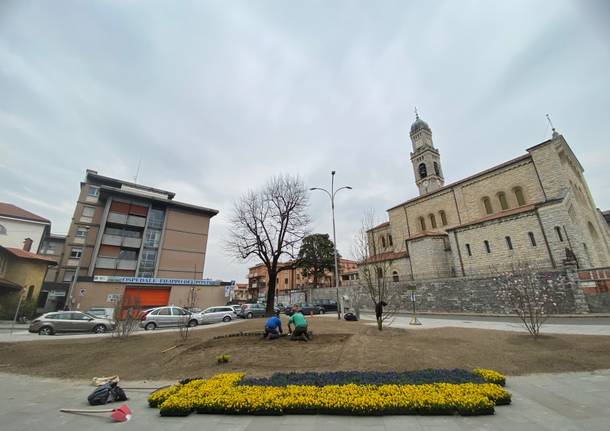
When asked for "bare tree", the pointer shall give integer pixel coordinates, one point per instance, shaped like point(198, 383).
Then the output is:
point(530, 294)
point(188, 321)
point(126, 317)
point(374, 281)
point(270, 223)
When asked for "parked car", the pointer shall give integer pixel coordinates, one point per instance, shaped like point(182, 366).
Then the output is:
point(163, 317)
point(248, 311)
point(306, 309)
point(101, 312)
point(236, 308)
point(224, 313)
point(327, 304)
point(70, 321)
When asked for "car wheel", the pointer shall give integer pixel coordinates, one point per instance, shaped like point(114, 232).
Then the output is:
point(226, 319)
point(46, 330)
point(150, 326)
point(249, 316)
point(99, 329)
point(192, 323)
point(322, 311)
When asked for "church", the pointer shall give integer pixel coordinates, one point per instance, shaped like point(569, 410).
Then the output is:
point(536, 208)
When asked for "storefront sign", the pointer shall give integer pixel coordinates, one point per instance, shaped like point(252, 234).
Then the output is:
point(164, 281)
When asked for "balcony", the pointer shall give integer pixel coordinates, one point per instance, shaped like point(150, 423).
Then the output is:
point(117, 218)
point(124, 241)
point(116, 263)
point(136, 221)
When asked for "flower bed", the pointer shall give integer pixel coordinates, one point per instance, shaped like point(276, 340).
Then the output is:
point(491, 376)
point(223, 393)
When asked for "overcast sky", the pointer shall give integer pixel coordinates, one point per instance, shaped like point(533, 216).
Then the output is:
point(215, 97)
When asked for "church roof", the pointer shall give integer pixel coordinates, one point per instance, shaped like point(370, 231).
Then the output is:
point(418, 125)
point(501, 214)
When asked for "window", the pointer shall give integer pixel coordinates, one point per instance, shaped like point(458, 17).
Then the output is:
point(128, 255)
point(519, 196)
point(30, 293)
point(422, 223)
point(94, 191)
point(68, 275)
point(286, 281)
point(432, 221)
point(423, 172)
point(395, 276)
point(468, 250)
point(532, 238)
point(487, 249)
point(48, 248)
point(3, 261)
point(379, 273)
point(76, 253)
point(165, 311)
point(502, 200)
point(509, 243)
point(156, 218)
point(81, 232)
point(383, 241)
point(437, 170)
point(443, 216)
point(153, 238)
point(558, 232)
point(390, 240)
point(88, 211)
point(2, 230)
point(487, 205)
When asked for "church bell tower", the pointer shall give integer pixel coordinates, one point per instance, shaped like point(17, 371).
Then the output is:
point(425, 158)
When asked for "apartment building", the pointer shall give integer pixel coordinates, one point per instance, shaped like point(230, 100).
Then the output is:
point(133, 243)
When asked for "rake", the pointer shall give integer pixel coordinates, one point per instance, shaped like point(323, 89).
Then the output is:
point(120, 414)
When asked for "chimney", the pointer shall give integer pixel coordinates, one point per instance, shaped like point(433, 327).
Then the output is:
point(27, 244)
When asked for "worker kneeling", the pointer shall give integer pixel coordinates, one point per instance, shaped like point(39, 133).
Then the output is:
point(300, 325)
point(273, 327)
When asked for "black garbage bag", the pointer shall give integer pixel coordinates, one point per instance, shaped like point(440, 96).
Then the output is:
point(350, 317)
point(107, 393)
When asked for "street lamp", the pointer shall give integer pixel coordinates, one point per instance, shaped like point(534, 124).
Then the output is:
point(332, 195)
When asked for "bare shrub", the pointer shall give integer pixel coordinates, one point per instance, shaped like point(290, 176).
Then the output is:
point(127, 317)
point(185, 323)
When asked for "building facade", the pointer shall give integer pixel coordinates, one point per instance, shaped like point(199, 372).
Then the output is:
point(19, 228)
point(133, 241)
point(536, 208)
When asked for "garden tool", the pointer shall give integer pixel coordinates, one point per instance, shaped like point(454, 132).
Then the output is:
point(120, 414)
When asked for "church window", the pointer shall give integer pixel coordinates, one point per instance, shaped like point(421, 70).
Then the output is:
point(432, 221)
point(422, 223)
point(383, 241)
point(558, 232)
point(487, 204)
point(423, 172)
point(487, 248)
point(390, 240)
point(509, 243)
point(502, 200)
point(468, 250)
point(443, 217)
point(532, 238)
point(437, 170)
point(379, 273)
point(519, 196)
point(395, 277)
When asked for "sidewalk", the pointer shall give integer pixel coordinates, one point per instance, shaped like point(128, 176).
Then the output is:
point(557, 402)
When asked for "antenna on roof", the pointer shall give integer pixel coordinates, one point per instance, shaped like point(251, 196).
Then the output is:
point(555, 134)
point(135, 179)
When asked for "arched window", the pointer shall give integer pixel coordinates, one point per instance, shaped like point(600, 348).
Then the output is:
point(383, 241)
point(519, 196)
point(379, 273)
point(558, 232)
point(2, 230)
point(422, 223)
point(390, 242)
point(432, 221)
point(487, 205)
point(443, 217)
point(502, 200)
point(423, 172)
point(395, 277)
point(437, 170)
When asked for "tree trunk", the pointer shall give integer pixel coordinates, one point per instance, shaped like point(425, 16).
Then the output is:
point(380, 324)
point(271, 291)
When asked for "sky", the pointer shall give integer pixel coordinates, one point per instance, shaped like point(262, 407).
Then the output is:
point(216, 97)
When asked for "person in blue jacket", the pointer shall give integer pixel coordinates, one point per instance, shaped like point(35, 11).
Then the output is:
point(273, 327)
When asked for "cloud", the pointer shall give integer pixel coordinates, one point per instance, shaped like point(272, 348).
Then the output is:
point(214, 99)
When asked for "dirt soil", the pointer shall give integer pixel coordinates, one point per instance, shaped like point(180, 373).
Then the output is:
point(335, 346)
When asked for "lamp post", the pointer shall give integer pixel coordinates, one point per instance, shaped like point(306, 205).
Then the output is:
point(332, 195)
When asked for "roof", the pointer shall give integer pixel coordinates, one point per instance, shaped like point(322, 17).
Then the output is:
point(501, 214)
point(426, 233)
point(22, 254)
point(7, 284)
point(391, 255)
point(116, 182)
point(168, 202)
point(10, 210)
point(379, 226)
point(472, 177)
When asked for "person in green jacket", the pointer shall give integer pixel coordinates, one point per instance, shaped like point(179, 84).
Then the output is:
point(300, 325)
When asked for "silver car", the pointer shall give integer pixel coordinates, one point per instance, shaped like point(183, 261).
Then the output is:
point(216, 314)
point(70, 321)
point(163, 317)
